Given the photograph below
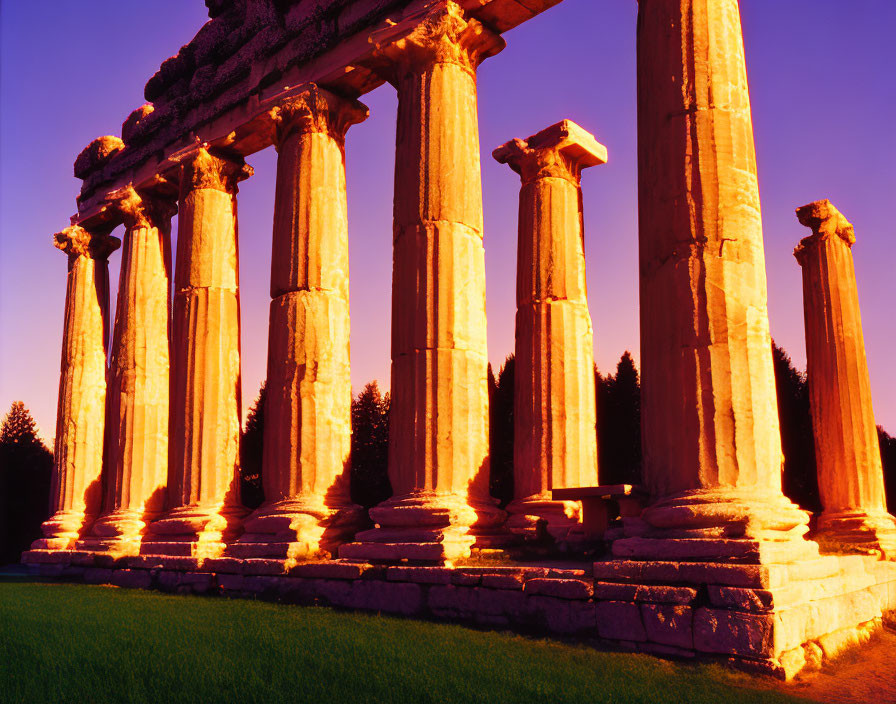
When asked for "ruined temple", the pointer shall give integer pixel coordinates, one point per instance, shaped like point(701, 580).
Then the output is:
point(708, 556)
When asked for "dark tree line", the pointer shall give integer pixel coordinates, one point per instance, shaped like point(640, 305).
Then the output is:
point(26, 467)
point(618, 398)
point(26, 464)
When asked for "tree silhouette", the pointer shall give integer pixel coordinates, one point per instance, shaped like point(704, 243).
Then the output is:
point(501, 431)
point(370, 447)
point(619, 423)
point(26, 467)
point(799, 480)
point(251, 453)
point(888, 457)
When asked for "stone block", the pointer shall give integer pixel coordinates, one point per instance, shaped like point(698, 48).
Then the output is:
point(392, 597)
point(754, 600)
point(466, 579)
point(665, 650)
point(135, 579)
point(502, 581)
point(565, 616)
point(613, 591)
point(231, 582)
point(329, 570)
point(97, 575)
point(260, 566)
point(562, 588)
point(452, 601)
point(51, 570)
point(504, 602)
point(336, 592)
point(669, 624)
point(224, 565)
point(619, 620)
point(734, 633)
point(420, 575)
point(691, 574)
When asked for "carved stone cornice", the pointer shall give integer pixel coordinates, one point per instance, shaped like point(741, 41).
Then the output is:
point(201, 168)
point(444, 35)
point(139, 209)
point(559, 151)
point(316, 110)
point(825, 221)
point(75, 241)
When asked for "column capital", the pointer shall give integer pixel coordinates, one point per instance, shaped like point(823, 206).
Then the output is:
point(314, 109)
point(559, 151)
point(141, 209)
point(75, 241)
point(444, 35)
point(825, 221)
point(202, 168)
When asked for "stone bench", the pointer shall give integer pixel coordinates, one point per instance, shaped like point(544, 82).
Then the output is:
point(599, 502)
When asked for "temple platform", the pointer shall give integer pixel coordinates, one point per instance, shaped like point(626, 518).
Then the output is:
point(776, 619)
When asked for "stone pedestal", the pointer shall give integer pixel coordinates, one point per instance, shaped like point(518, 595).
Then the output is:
point(76, 492)
point(138, 395)
point(850, 475)
point(554, 400)
point(438, 439)
point(203, 481)
point(307, 433)
point(711, 441)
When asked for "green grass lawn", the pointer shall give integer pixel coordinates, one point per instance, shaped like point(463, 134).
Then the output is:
point(65, 642)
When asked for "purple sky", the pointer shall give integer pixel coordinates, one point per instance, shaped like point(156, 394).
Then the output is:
point(823, 104)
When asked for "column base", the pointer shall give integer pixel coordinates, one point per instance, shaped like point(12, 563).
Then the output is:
point(857, 531)
point(298, 529)
point(424, 527)
point(533, 516)
point(62, 530)
point(194, 531)
point(719, 525)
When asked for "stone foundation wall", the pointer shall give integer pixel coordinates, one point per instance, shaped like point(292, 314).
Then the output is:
point(776, 618)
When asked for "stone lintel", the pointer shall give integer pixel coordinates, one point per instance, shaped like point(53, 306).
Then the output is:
point(825, 221)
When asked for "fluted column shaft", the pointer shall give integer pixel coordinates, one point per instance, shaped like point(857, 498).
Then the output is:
point(203, 482)
point(554, 401)
point(438, 438)
point(712, 447)
point(307, 434)
point(76, 493)
point(850, 475)
point(138, 396)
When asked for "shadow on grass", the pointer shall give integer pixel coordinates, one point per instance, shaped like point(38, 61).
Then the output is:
point(68, 642)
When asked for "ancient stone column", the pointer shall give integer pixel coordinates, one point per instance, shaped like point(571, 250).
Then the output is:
point(711, 442)
point(78, 455)
point(307, 432)
point(850, 475)
point(438, 438)
point(554, 412)
point(203, 479)
point(137, 402)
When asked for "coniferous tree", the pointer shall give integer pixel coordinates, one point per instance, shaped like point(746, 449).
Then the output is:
point(251, 453)
point(619, 423)
point(26, 467)
point(799, 480)
point(370, 447)
point(501, 433)
point(888, 459)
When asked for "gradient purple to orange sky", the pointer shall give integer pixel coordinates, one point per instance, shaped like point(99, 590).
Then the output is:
point(823, 95)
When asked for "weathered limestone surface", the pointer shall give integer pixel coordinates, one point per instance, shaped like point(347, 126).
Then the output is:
point(138, 394)
point(80, 421)
point(712, 448)
point(554, 400)
point(308, 413)
point(850, 475)
point(203, 483)
point(438, 440)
